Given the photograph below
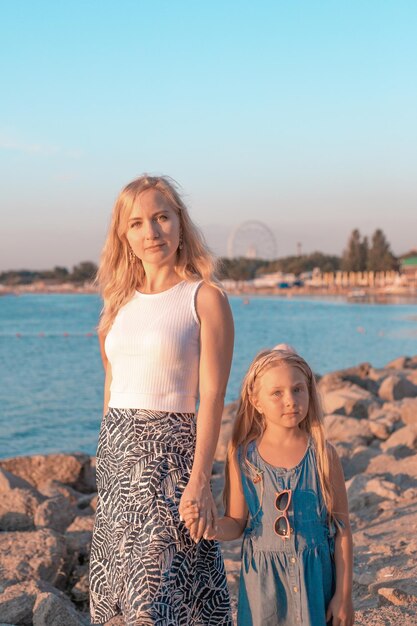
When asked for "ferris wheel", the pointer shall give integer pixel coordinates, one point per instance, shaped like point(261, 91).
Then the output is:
point(253, 240)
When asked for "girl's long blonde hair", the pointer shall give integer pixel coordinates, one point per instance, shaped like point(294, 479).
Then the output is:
point(250, 425)
point(119, 273)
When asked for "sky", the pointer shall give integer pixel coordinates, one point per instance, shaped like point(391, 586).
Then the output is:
point(300, 114)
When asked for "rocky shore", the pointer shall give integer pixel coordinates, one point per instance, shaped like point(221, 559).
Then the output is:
point(47, 506)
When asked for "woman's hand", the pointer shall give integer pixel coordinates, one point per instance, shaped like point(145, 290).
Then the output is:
point(340, 612)
point(190, 514)
point(199, 495)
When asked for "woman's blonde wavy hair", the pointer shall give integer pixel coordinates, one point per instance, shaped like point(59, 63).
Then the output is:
point(250, 425)
point(118, 276)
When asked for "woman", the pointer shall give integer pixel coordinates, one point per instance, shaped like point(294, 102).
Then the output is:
point(169, 342)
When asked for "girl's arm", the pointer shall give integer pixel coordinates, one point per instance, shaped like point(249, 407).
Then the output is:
point(216, 348)
point(232, 525)
point(340, 607)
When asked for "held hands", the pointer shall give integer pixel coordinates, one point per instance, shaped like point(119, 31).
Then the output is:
point(198, 511)
point(190, 517)
point(340, 612)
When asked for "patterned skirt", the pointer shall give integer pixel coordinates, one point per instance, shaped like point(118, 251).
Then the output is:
point(143, 563)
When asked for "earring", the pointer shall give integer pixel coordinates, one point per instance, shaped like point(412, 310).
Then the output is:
point(181, 242)
point(132, 256)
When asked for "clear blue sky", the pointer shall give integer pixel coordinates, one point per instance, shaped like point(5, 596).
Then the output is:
point(301, 114)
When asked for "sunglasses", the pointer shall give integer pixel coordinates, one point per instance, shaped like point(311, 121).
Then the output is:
point(282, 525)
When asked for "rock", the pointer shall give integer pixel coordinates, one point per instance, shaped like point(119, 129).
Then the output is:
point(50, 610)
point(349, 430)
point(9, 482)
point(383, 488)
point(397, 387)
point(360, 500)
point(79, 535)
point(388, 415)
point(359, 376)
point(409, 410)
point(401, 363)
point(16, 513)
point(17, 602)
point(403, 471)
point(18, 502)
point(365, 491)
point(56, 513)
point(82, 523)
point(411, 375)
point(72, 469)
point(358, 461)
point(349, 400)
point(54, 488)
point(397, 596)
point(93, 502)
point(32, 555)
point(401, 443)
point(383, 423)
point(80, 591)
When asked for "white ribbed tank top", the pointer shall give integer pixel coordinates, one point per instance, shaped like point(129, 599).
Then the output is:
point(153, 347)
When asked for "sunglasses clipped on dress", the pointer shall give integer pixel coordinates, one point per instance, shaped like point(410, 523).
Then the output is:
point(282, 526)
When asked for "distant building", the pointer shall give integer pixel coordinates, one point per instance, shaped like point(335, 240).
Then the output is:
point(408, 265)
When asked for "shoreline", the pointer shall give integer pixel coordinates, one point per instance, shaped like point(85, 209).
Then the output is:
point(372, 295)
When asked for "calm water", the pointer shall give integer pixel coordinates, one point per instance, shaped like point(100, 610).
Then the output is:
point(51, 376)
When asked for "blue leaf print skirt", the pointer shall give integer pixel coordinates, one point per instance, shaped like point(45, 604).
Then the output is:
point(143, 563)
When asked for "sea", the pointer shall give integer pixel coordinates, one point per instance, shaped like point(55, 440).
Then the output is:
point(51, 377)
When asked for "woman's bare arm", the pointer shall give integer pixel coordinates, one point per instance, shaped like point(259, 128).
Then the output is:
point(107, 384)
point(216, 337)
point(101, 340)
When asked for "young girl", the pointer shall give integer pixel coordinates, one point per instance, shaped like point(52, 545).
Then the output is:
point(285, 489)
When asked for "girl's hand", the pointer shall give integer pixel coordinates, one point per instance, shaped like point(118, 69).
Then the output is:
point(200, 495)
point(340, 612)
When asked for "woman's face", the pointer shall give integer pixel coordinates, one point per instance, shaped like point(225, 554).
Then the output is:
point(153, 229)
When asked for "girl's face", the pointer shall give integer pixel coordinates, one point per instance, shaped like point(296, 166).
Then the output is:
point(153, 229)
point(281, 396)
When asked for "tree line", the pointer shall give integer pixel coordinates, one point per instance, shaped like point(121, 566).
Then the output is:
point(81, 273)
point(359, 255)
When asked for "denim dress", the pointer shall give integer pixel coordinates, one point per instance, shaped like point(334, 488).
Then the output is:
point(290, 581)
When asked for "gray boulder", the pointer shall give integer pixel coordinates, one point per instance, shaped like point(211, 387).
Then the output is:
point(50, 610)
point(401, 443)
point(71, 469)
point(349, 430)
point(18, 502)
point(409, 410)
point(56, 513)
point(349, 400)
point(17, 602)
point(32, 555)
point(402, 363)
point(358, 460)
point(397, 387)
point(79, 534)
